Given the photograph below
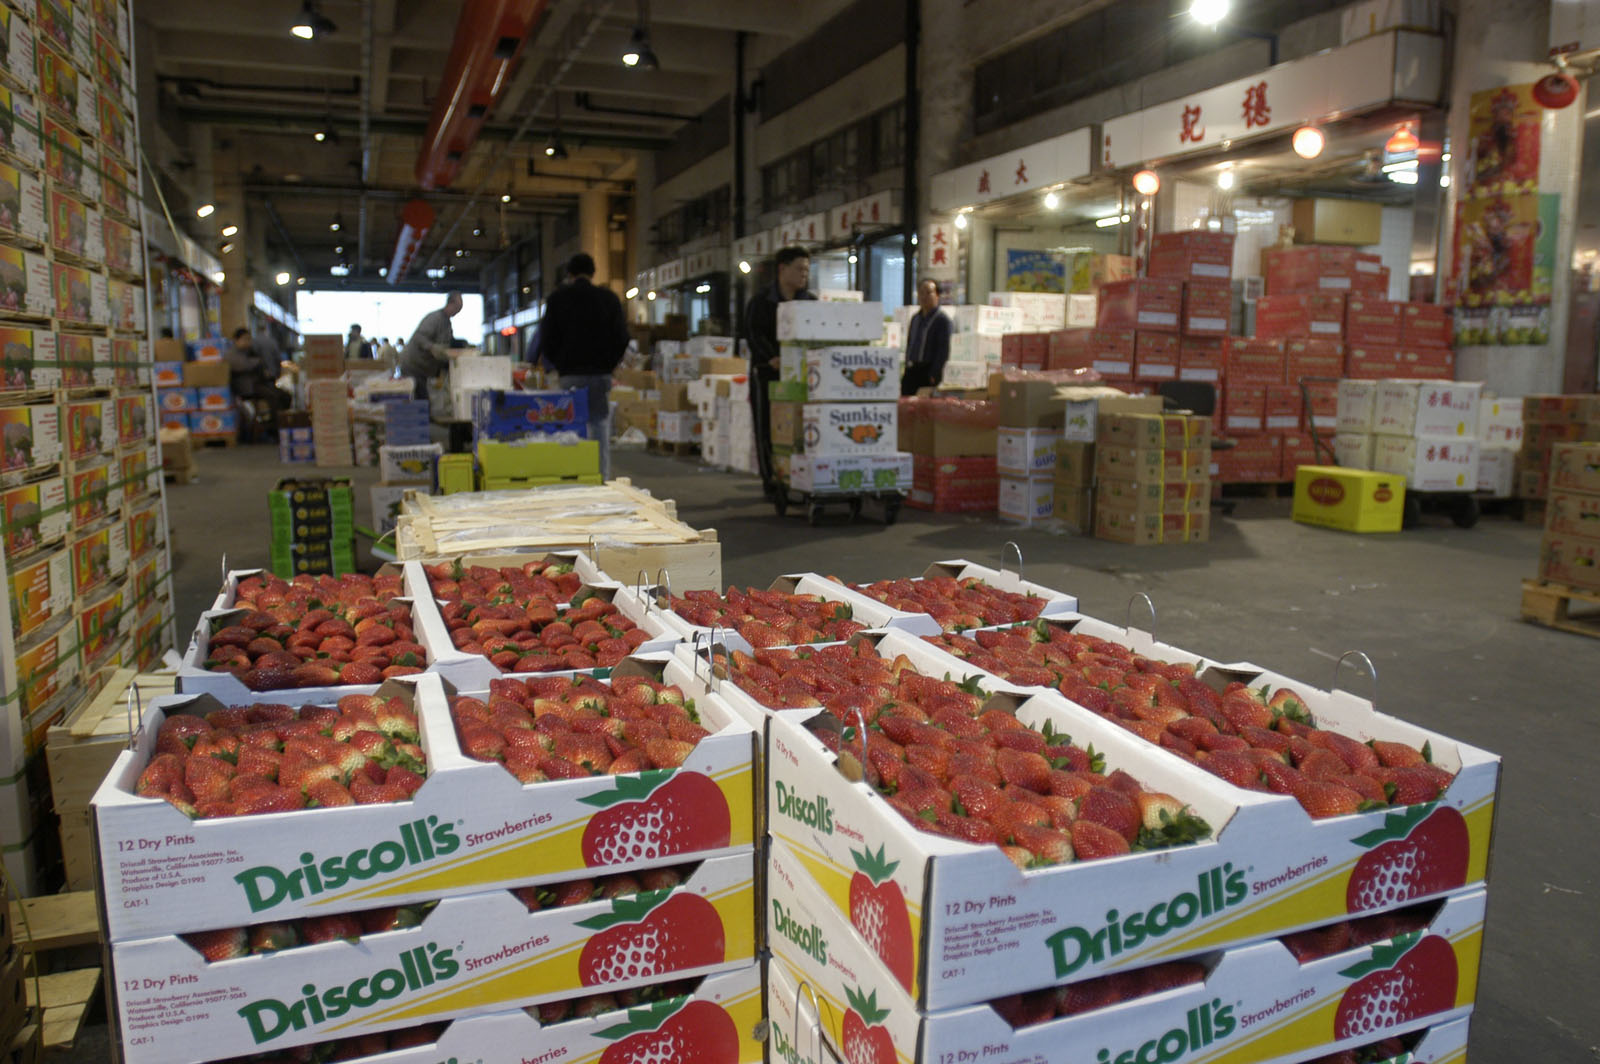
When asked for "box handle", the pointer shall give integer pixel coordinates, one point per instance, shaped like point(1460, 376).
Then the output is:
point(664, 580)
point(816, 1024)
point(1127, 618)
point(1011, 544)
point(1372, 671)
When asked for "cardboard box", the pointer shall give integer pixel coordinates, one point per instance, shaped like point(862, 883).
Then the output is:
point(1144, 303)
point(710, 347)
point(1497, 471)
point(1251, 460)
point(1148, 529)
point(678, 426)
point(1368, 320)
point(179, 399)
point(1074, 507)
point(1500, 421)
point(788, 424)
point(1026, 501)
point(1192, 255)
point(1244, 408)
point(1379, 362)
point(1427, 408)
point(135, 420)
point(984, 320)
point(38, 513)
point(1321, 399)
point(1312, 268)
point(41, 591)
point(1318, 315)
point(1428, 464)
point(1349, 500)
point(1154, 496)
point(1533, 483)
point(1337, 221)
point(723, 365)
point(30, 286)
point(891, 472)
point(409, 465)
point(1353, 450)
point(973, 347)
point(1074, 464)
point(1155, 356)
point(1086, 405)
point(965, 376)
point(1026, 404)
point(205, 374)
point(1091, 271)
point(215, 423)
point(91, 496)
point(1161, 432)
point(1082, 310)
point(498, 414)
point(1571, 514)
point(1106, 351)
point(1202, 358)
point(1041, 311)
point(1026, 350)
point(1025, 452)
point(1254, 361)
point(850, 428)
point(852, 374)
point(1207, 308)
point(1312, 358)
point(1283, 407)
point(30, 360)
point(811, 320)
point(1574, 562)
point(1358, 406)
point(1149, 464)
point(1576, 467)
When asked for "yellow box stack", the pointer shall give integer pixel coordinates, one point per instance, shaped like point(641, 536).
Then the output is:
point(1153, 476)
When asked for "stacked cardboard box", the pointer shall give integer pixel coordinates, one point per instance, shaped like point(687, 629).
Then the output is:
point(1499, 445)
point(1548, 421)
point(1427, 431)
point(1152, 478)
point(330, 421)
point(952, 443)
point(1570, 551)
point(312, 527)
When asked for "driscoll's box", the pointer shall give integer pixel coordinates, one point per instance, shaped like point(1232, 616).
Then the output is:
point(1256, 1003)
point(979, 927)
point(470, 827)
point(472, 953)
point(851, 428)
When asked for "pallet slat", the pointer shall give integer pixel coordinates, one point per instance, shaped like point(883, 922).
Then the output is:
point(55, 921)
point(1551, 605)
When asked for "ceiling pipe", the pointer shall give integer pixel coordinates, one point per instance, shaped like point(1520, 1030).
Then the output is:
point(301, 121)
point(490, 34)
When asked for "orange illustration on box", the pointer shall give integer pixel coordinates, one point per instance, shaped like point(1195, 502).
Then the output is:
point(13, 278)
point(72, 293)
point(133, 420)
point(84, 431)
point(22, 519)
point(16, 359)
point(98, 626)
point(16, 438)
point(89, 495)
point(863, 433)
point(91, 561)
point(75, 356)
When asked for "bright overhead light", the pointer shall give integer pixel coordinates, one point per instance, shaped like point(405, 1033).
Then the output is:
point(639, 53)
point(1405, 164)
point(702, 288)
point(300, 280)
point(553, 148)
point(505, 197)
point(220, 277)
point(282, 278)
point(1110, 220)
point(458, 253)
point(852, 258)
point(205, 210)
point(632, 293)
point(961, 221)
point(320, 135)
point(303, 31)
point(226, 248)
point(1208, 12)
point(1225, 180)
point(338, 249)
point(311, 23)
point(383, 271)
point(1445, 157)
point(1404, 177)
point(1444, 180)
point(335, 225)
point(1051, 201)
point(340, 271)
point(650, 295)
point(1402, 141)
point(229, 230)
point(744, 265)
point(1309, 142)
point(1147, 182)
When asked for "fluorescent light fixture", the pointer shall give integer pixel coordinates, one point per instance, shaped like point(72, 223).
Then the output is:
point(650, 295)
point(852, 258)
point(334, 226)
point(340, 271)
point(1404, 177)
point(632, 293)
point(1406, 164)
point(383, 271)
point(320, 135)
point(205, 210)
point(1444, 180)
point(1208, 12)
point(744, 266)
point(505, 197)
point(229, 230)
point(282, 278)
point(702, 288)
point(303, 31)
point(1109, 221)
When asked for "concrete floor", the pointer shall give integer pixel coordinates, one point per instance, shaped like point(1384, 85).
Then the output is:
point(1435, 608)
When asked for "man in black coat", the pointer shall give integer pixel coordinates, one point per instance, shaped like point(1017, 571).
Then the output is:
point(761, 334)
point(927, 341)
point(584, 334)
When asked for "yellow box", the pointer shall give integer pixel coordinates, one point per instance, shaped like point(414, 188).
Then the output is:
point(516, 483)
point(1352, 500)
point(455, 473)
point(532, 458)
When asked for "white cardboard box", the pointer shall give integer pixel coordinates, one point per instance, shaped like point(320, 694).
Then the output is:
point(1427, 408)
point(852, 374)
point(851, 428)
point(975, 347)
point(1353, 450)
point(1500, 422)
point(710, 346)
point(851, 473)
point(1027, 500)
point(409, 463)
point(1082, 309)
point(1041, 311)
point(1497, 471)
point(813, 320)
point(681, 426)
point(839, 295)
point(1428, 463)
point(984, 319)
point(1357, 401)
point(1025, 453)
point(966, 375)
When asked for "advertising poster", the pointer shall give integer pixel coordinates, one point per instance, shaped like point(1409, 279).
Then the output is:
point(1035, 271)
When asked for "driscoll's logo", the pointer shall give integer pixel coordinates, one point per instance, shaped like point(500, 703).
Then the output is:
point(1326, 490)
point(808, 938)
point(784, 1048)
point(1202, 1026)
point(812, 812)
point(419, 841)
point(1216, 890)
point(416, 968)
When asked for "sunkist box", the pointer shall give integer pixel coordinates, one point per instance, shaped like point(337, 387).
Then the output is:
point(850, 428)
point(852, 373)
point(471, 826)
point(979, 927)
point(1352, 500)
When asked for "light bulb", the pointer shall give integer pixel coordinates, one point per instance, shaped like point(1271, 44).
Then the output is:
point(1208, 12)
point(1225, 180)
point(205, 210)
point(229, 230)
point(1309, 142)
point(1146, 182)
point(282, 278)
point(1051, 201)
point(961, 221)
point(744, 266)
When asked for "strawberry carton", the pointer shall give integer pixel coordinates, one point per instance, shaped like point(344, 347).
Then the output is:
point(1268, 867)
point(469, 826)
point(380, 970)
point(794, 1018)
point(959, 594)
point(1258, 1003)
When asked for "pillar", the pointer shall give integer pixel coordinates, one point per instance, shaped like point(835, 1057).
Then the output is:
point(593, 235)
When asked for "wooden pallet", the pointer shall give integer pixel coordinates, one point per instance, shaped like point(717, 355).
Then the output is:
point(63, 998)
point(28, 1045)
point(184, 475)
point(1551, 605)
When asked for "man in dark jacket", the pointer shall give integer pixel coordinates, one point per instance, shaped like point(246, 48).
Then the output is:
point(927, 341)
point(583, 335)
point(761, 334)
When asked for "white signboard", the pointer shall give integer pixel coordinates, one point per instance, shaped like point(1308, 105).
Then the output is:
point(669, 273)
point(753, 248)
point(1038, 166)
point(876, 211)
point(812, 229)
point(1574, 26)
point(711, 260)
point(936, 247)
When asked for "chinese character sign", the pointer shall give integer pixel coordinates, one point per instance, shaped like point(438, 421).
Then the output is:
point(1257, 112)
point(1192, 132)
point(937, 249)
point(983, 183)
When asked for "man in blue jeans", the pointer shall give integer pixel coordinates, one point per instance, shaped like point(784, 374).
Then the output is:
point(583, 334)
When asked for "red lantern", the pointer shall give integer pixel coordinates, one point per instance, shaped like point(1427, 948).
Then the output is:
point(1556, 91)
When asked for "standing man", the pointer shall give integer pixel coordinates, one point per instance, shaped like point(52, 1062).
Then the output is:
point(927, 341)
point(428, 352)
point(357, 346)
point(761, 334)
point(583, 336)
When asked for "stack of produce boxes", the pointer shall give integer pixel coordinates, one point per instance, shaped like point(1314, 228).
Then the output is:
point(1031, 413)
point(1570, 552)
point(1549, 420)
point(1151, 311)
point(953, 444)
point(1427, 432)
point(312, 527)
point(417, 882)
point(961, 899)
point(1203, 262)
point(1153, 482)
point(1499, 445)
point(840, 422)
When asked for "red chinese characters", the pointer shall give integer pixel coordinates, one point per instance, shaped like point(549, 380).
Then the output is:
point(1022, 171)
point(1192, 131)
point(983, 183)
point(1257, 111)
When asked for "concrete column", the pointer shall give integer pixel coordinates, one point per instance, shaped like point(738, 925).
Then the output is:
point(592, 233)
point(944, 81)
point(1501, 42)
point(238, 292)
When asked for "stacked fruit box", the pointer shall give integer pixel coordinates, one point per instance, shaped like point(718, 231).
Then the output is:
point(1572, 517)
point(1548, 421)
point(84, 521)
point(488, 876)
point(1153, 474)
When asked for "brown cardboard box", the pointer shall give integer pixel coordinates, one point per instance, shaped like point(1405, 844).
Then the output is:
point(1337, 221)
point(960, 441)
point(1075, 507)
point(169, 350)
point(1090, 271)
point(640, 380)
point(1145, 530)
point(710, 365)
point(675, 397)
point(1575, 467)
point(1574, 562)
point(1571, 514)
point(1155, 431)
point(1031, 405)
point(1145, 464)
point(788, 425)
point(1074, 463)
point(1153, 497)
point(205, 374)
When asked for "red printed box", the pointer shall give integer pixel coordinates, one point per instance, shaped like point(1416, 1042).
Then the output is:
point(1322, 405)
point(1145, 303)
point(1298, 450)
point(1256, 360)
point(1370, 278)
point(1371, 321)
point(1202, 358)
point(1321, 268)
point(1108, 351)
point(1377, 361)
point(1025, 350)
point(1192, 255)
point(1318, 315)
point(1251, 459)
point(1244, 408)
point(1155, 356)
point(1312, 358)
point(1207, 308)
point(1282, 407)
point(1424, 325)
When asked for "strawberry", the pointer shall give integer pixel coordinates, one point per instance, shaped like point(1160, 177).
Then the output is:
point(667, 753)
point(207, 778)
point(159, 775)
point(1091, 841)
point(1112, 809)
point(1024, 769)
point(272, 937)
point(1086, 996)
point(220, 945)
point(878, 910)
point(1047, 846)
point(651, 935)
point(1412, 977)
point(862, 1036)
point(1322, 799)
point(646, 817)
point(1159, 978)
point(480, 742)
point(1233, 768)
point(327, 793)
point(1281, 779)
point(588, 751)
point(1025, 1010)
point(1419, 851)
point(1369, 789)
point(343, 927)
point(271, 800)
point(1396, 755)
point(1318, 942)
point(377, 921)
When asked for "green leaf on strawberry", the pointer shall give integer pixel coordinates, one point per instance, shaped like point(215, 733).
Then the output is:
point(627, 910)
point(866, 1006)
point(1396, 825)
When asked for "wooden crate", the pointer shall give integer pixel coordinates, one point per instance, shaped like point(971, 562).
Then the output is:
point(13, 998)
point(80, 750)
point(28, 1045)
point(62, 998)
point(1568, 609)
point(77, 848)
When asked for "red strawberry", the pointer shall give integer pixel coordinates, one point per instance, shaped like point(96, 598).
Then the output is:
point(1024, 769)
point(1413, 785)
point(325, 793)
point(648, 936)
point(272, 937)
point(159, 775)
point(1322, 799)
point(682, 1031)
point(1113, 809)
point(270, 800)
point(342, 927)
point(863, 1037)
point(208, 778)
point(878, 911)
point(221, 945)
point(1412, 977)
point(1091, 841)
point(643, 818)
point(1419, 851)
point(1396, 755)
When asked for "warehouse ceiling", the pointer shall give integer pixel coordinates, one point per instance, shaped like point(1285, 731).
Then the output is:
point(242, 101)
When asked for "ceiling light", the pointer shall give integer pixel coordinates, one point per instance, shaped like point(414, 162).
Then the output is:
point(219, 277)
point(1109, 221)
point(205, 210)
point(282, 278)
point(1051, 201)
point(1404, 177)
point(335, 225)
point(1225, 180)
point(703, 288)
point(320, 135)
point(1444, 180)
point(852, 259)
point(1309, 142)
point(1405, 164)
point(553, 148)
point(311, 23)
point(1445, 157)
point(1402, 141)
point(226, 248)
point(1208, 12)
point(639, 53)
point(477, 230)
point(339, 249)
point(1146, 182)
point(650, 295)
point(229, 230)
point(340, 271)
point(632, 292)
point(961, 220)
point(303, 31)
point(383, 271)
point(505, 197)
point(300, 280)
point(744, 265)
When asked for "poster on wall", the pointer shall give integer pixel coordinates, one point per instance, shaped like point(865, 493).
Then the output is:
point(1505, 229)
point(1035, 271)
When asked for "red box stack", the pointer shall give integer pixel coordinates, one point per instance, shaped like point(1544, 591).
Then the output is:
point(1252, 458)
point(1282, 408)
point(1201, 358)
point(1155, 357)
point(1207, 308)
point(1108, 351)
point(1193, 255)
point(1312, 358)
point(1254, 361)
point(1300, 315)
point(1368, 320)
point(1322, 406)
point(1025, 350)
point(954, 485)
point(1244, 409)
point(1424, 325)
point(1298, 450)
point(1151, 303)
point(1323, 268)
